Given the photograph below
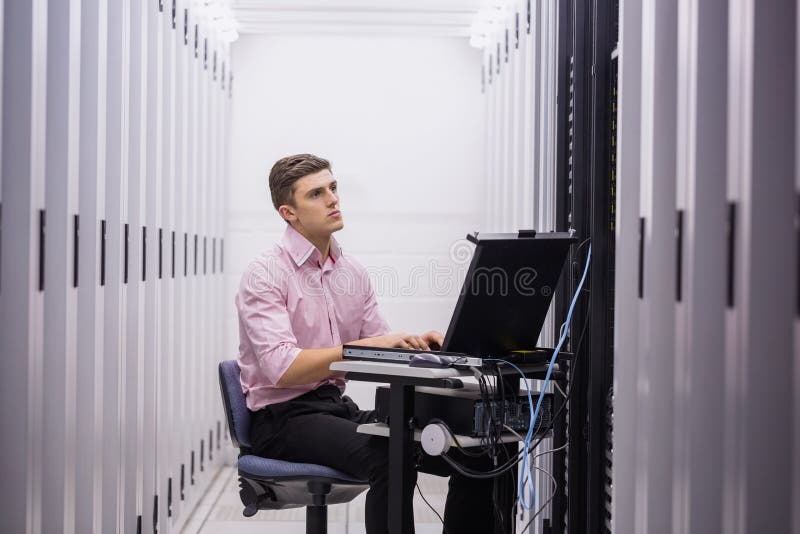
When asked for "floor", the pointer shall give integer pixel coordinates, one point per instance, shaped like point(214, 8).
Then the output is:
point(220, 511)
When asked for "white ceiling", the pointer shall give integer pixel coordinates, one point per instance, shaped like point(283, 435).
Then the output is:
point(441, 18)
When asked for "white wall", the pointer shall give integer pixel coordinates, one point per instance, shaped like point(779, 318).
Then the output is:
point(401, 119)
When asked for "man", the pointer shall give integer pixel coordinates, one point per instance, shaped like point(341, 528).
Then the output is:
point(298, 304)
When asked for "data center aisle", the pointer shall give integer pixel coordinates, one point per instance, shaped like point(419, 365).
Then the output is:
point(220, 511)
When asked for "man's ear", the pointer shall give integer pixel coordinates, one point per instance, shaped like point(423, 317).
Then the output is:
point(287, 212)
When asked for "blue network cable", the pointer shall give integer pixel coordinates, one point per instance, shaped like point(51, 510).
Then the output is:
point(535, 412)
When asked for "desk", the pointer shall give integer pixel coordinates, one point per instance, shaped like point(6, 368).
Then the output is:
point(402, 379)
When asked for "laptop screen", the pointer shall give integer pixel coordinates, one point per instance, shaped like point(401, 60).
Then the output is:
point(507, 292)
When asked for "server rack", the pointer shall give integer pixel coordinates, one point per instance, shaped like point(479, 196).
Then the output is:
point(98, 195)
point(585, 202)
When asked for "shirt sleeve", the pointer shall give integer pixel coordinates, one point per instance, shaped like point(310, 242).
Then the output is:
point(265, 324)
point(373, 324)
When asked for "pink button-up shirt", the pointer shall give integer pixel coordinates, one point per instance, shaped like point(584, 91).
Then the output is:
point(287, 302)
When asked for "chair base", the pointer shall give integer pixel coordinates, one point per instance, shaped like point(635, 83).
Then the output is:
point(314, 494)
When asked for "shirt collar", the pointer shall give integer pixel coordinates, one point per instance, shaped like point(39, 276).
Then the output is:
point(301, 249)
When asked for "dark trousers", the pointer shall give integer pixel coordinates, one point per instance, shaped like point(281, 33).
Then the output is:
point(320, 427)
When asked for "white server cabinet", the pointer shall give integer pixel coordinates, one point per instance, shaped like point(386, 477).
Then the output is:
point(227, 352)
point(501, 133)
point(501, 84)
point(165, 412)
point(539, 177)
point(152, 121)
point(58, 391)
point(133, 379)
point(489, 92)
point(626, 316)
point(191, 261)
point(193, 371)
point(491, 142)
point(212, 306)
point(740, 84)
point(218, 305)
point(533, 113)
point(113, 129)
point(216, 287)
point(201, 333)
point(546, 30)
point(527, 201)
point(761, 143)
point(700, 244)
point(201, 226)
point(215, 305)
point(507, 79)
point(657, 275)
point(92, 68)
point(515, 61)
point(735, 280)
point(182, 439)
point(178, 386)
point(496, 140)
point(212, 400)
point(108, 512)
point(21, 268)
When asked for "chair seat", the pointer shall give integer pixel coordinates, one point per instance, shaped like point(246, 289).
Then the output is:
point(269, 469)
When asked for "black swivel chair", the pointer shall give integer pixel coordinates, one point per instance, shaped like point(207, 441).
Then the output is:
point(267, 484)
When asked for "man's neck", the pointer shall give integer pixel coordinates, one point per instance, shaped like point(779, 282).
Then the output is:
point(321, 243)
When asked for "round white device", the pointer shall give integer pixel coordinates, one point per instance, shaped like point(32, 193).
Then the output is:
point(435, 439)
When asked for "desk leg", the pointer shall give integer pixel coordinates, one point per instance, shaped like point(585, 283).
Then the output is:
point(401, 441)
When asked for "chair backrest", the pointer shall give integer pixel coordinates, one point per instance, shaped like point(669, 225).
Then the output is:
point(234, 402)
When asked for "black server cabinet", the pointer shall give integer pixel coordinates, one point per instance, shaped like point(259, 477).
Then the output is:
point(585, 193)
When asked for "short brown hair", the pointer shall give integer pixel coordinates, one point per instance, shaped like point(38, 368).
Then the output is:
point(287, 171)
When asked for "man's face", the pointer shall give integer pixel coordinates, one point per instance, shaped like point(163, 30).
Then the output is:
point(316, 205)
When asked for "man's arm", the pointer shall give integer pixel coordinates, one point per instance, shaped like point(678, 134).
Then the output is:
point(313, 365)
point(310, 366)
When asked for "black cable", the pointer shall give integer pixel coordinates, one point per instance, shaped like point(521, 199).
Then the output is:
point(484, 398)
point(431, 507)
point(480, 475)
point(498, 384)
point(512, 462)
point(491, 432)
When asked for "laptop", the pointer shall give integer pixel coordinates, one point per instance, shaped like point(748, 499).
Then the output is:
point(502, 304)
